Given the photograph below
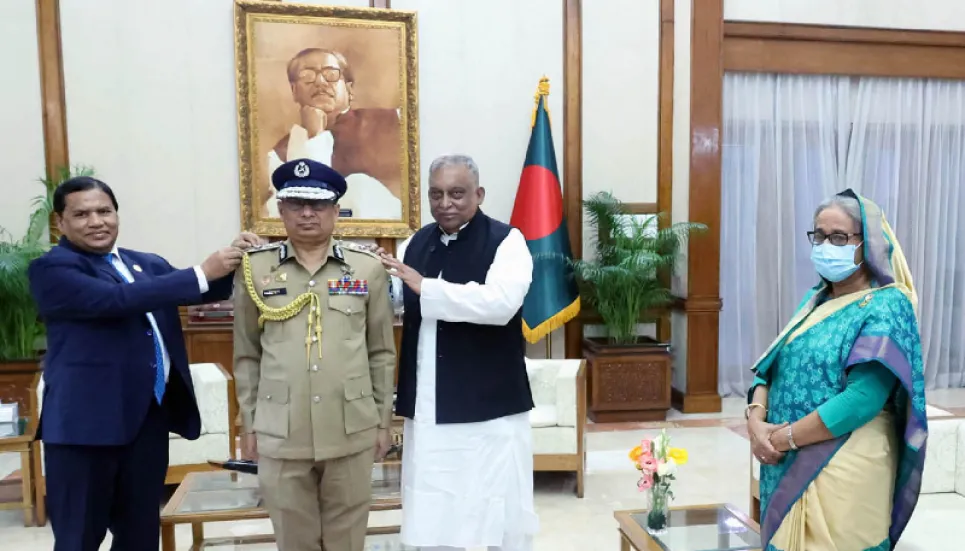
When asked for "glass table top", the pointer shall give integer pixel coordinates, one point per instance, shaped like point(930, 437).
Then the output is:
point(372, 543)
point(220, 491)
point(703, 529)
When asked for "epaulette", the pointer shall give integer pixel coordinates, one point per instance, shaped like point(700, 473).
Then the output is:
point(266, 247)
point(355, 247)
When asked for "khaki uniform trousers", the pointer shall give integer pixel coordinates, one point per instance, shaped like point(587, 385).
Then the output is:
point(318, 506)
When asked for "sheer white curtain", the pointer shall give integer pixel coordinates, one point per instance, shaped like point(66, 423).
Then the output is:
point(791, 141)
point(779, 161)
point(907, 153)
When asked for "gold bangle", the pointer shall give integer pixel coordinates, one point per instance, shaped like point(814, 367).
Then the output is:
point(747, 410)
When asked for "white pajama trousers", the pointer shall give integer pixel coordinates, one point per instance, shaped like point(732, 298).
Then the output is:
point(469, 485)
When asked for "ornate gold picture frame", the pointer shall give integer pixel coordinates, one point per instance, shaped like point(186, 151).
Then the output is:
point(338, 85)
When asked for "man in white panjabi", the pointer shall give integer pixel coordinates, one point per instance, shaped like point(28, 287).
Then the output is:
point(361, 144)
point(467, 462)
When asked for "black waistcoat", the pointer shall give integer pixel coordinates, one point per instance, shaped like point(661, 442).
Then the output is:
point(480, 369)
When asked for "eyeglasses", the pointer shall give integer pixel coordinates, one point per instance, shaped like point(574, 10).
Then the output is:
point(309, 75)
point(298, 205)
point(837, 239)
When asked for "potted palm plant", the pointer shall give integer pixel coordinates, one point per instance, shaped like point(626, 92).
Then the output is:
point(627, 283)
point(21, 332)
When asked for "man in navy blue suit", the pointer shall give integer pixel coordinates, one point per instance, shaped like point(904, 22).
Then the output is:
point(116, 377)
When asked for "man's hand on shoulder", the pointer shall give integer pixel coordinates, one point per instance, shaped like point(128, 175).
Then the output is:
point(221, 263)
point(247, 240)
point(408, 275)
point(224, 261)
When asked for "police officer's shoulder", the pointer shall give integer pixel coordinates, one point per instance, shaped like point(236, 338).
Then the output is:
point(265, 247)
point(352, 247)
point(261, 260)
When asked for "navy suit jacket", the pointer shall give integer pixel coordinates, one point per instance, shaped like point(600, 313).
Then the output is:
point(98, 369)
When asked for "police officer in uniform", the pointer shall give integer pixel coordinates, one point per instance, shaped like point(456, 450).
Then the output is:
point(314, 360)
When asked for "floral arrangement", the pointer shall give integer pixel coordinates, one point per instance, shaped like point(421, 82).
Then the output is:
point(657, 462)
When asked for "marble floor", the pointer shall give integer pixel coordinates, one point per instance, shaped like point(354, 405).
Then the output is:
point(717, 472)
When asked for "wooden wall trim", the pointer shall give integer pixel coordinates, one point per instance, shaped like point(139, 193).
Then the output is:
point(822, 33)
point(52, 86)
point(760, 55)
point(665, 136)
point(52, 97)
point(642, 208)
point(573, 150)
point(808, 49)
point(665, 109)
point(703, 263)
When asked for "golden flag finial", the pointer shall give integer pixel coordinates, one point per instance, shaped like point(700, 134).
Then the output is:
point(543, 89)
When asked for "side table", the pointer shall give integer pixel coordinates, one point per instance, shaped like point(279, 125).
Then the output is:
point(22, 444)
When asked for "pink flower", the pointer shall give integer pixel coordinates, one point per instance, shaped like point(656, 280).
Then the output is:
point(645, 483)
point(647, 446)
point(648, 464)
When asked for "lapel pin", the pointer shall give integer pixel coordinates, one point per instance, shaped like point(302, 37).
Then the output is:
point(282, 277)
point(266, 280)
point(137, 268)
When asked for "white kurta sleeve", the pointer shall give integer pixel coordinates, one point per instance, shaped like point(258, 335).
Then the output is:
point(493, 303)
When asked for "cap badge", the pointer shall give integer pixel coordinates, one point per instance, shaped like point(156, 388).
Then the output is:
point(301, 170)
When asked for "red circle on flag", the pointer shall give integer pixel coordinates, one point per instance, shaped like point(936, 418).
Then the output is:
point(538, 210)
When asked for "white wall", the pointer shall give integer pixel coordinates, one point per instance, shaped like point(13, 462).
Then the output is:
point(21, 117)
point(479, 66)
point(621, 61)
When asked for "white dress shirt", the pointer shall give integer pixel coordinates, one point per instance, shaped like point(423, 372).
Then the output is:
point(125, 272)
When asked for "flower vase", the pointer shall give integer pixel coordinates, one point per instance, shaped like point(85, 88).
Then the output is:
point(658, 515)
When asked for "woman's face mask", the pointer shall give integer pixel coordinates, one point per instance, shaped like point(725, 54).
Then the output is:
point(833, 262)
point(832, 251)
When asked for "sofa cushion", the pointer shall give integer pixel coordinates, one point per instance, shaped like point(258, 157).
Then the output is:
point(212, 447)
point(554, 440)
point(553, 383)
point(941, 456)
point(566, 392)
point(960, 461)
point(211, 390)
point(542, 416)
point(542, 380)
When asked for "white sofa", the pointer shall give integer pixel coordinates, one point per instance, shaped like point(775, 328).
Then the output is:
point(559, 418)
point(942, 486)
point(213, 387)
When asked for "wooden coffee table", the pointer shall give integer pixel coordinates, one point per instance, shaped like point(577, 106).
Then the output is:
point(700, 528)
point(225, 496)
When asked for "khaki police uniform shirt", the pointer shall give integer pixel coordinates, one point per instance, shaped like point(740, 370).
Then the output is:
point(300, 405)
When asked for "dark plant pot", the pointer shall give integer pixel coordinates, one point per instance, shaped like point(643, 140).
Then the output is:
point(24, 366)
point(628, 382)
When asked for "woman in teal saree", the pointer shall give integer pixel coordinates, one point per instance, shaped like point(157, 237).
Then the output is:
point(837, 409)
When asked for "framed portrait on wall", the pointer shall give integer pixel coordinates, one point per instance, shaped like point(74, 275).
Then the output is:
point(338, 85)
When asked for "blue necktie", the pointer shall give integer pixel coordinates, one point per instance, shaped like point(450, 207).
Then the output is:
point(159, 383)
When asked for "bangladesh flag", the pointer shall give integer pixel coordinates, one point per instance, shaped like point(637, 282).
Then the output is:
point(553, 299)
